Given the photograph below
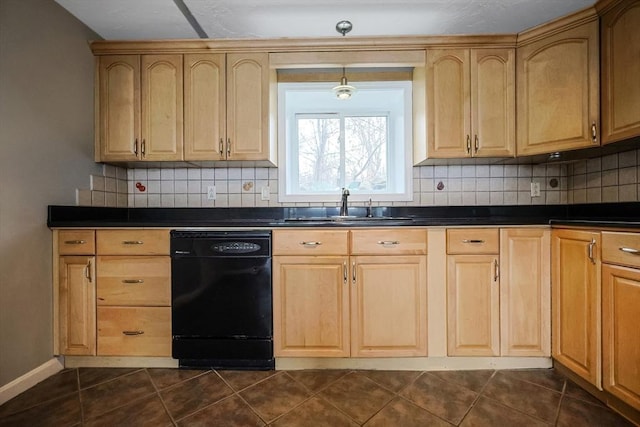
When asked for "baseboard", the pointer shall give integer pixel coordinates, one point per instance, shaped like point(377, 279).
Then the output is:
point(31, 378)
point(119, 362)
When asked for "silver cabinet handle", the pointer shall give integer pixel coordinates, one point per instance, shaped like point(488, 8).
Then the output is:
point(473, 241)
point(346, 275)
point(496, 270)
point(135, 147)
point(594, 133)
point(75, 242)
point(132, 242)
point(221, 147)
point(629, 251)
point(468, 144)
point(476, 144)
point(228, 148)
point(592, 244)
point(132, 333)
point(87, 272)
point(132, 281)
point(388, 242)
point(353, 272)
point(310, 243)
point(143, 147)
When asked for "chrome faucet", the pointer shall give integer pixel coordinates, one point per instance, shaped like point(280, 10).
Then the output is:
point(344, 208)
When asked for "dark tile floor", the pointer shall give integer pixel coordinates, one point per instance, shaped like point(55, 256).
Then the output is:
point(169, 397)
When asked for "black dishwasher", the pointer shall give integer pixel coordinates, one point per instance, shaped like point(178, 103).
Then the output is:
point(221, 314)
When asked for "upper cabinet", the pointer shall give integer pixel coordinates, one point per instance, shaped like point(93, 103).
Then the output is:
point(557, 86)
point(227, 100)
point(470, 103)
point(224, 100)
point(620, 68)
point(139, 108)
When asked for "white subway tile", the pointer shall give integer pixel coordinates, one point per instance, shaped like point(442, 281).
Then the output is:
point(609, 194)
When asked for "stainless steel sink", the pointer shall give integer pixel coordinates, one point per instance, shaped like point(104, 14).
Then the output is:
point(341, 219)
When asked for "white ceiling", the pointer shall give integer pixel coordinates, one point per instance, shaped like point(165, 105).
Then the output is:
point(164, 19)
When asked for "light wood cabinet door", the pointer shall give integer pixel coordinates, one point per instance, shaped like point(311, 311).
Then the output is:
point(134, 331)
point(161, 107)
point(134, 280)
point(204, 106)
point(621, 340)
point(389, 306)
point(311, 306)
point(248, 106)
point(575, 302)
point(493, 102)
point(620, 67)
point(77, 305)
point(473, 323)
point(118, 118)
point(525, 292)
point(448, 103)
point(557, 91)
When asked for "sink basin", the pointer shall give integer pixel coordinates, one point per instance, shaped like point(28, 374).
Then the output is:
point(348, 219)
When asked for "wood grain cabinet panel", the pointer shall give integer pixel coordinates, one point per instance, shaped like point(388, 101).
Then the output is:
point(76, 305)
point(76, 242)
point(132, 242)
point(134, 331)
point(134, 281)
point(620, 68)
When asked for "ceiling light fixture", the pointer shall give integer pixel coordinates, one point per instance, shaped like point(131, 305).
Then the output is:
point(344, 90)
point(343, 27)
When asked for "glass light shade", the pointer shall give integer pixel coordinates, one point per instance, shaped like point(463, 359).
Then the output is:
point(344, 90)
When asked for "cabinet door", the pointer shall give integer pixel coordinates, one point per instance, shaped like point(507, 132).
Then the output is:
point(473, 305)
point(621, 341)
point(310, 306)
point(118, 119)
point(525, 292)
point(558, 95)
point(448, 103)
point(248, 106)
point(204, 106)
point(575, 303)
point(77, 305)
point(389, 306)
point(620, 67)
point(493, 99)
point(161, 107)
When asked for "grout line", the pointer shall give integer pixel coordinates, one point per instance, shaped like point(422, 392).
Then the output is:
point(564, 390)
point(173, 421)
point(80, 397)
point(478, 396)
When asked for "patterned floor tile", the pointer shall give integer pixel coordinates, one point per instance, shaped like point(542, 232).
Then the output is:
point(548, 378)
point(314, 412)
point(487, 412)
point(401, 412)
point(392, 380)
point(64, 411)
point(230, 412)
point(239, 380)
point(317, 379)
point(275, 396)
point(163, 378)
point(575, 412)
point(146, 411)
point(473, 380)
point(192, 395)
point(94, 376)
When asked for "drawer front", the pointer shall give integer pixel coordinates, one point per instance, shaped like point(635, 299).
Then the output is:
point(621, 248)
point(76, 242)
point(389, 242)
point(134, 281)
point(134, 331)
point(473, 241)
point(310, 242)
point(133, 242)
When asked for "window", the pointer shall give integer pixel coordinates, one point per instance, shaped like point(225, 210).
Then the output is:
point(363, 144)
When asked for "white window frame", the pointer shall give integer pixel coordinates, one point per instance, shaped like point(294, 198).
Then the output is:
point(403, 160)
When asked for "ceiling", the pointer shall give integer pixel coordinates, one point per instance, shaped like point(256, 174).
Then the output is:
point(180, 19)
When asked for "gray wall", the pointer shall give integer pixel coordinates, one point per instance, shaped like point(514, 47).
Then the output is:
point(46, 151)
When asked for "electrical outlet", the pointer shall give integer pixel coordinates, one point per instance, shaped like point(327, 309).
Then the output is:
point(535, 189)
point(264, 193)
point(211, 192)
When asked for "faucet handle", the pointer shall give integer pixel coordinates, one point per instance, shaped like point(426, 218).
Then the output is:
point(345, 191)
point(369, 212)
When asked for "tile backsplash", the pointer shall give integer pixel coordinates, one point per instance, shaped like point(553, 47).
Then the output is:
point(609, 178)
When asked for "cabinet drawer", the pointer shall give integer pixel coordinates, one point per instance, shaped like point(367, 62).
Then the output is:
point(134, 281)
point(310, 242)
point(389, 242)
point(76, 242)
point(621, 248)
point(473, 241)
point(133, 242)
point(134, 331)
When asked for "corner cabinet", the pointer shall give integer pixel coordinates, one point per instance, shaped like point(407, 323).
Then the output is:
point(620, 68)
point(139, 114)
point(227, 107)
point(557, 73)
point(470, 103)
point(576, 302)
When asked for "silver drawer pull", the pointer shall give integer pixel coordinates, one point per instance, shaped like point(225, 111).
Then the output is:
point(75, 242)
point(630, 251)
point(473, 241)
point(132, 333)
point(310, 243)
point(132, 281)
point(132, 242)
point(388, 242)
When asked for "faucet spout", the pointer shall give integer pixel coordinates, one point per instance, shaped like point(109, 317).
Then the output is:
point(344, 208)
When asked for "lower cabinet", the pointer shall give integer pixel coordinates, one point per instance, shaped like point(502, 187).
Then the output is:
point(330, 304)
point(576, 305)
point(134, 331)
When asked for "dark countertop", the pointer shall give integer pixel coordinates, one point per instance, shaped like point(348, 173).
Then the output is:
point(625, 215)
